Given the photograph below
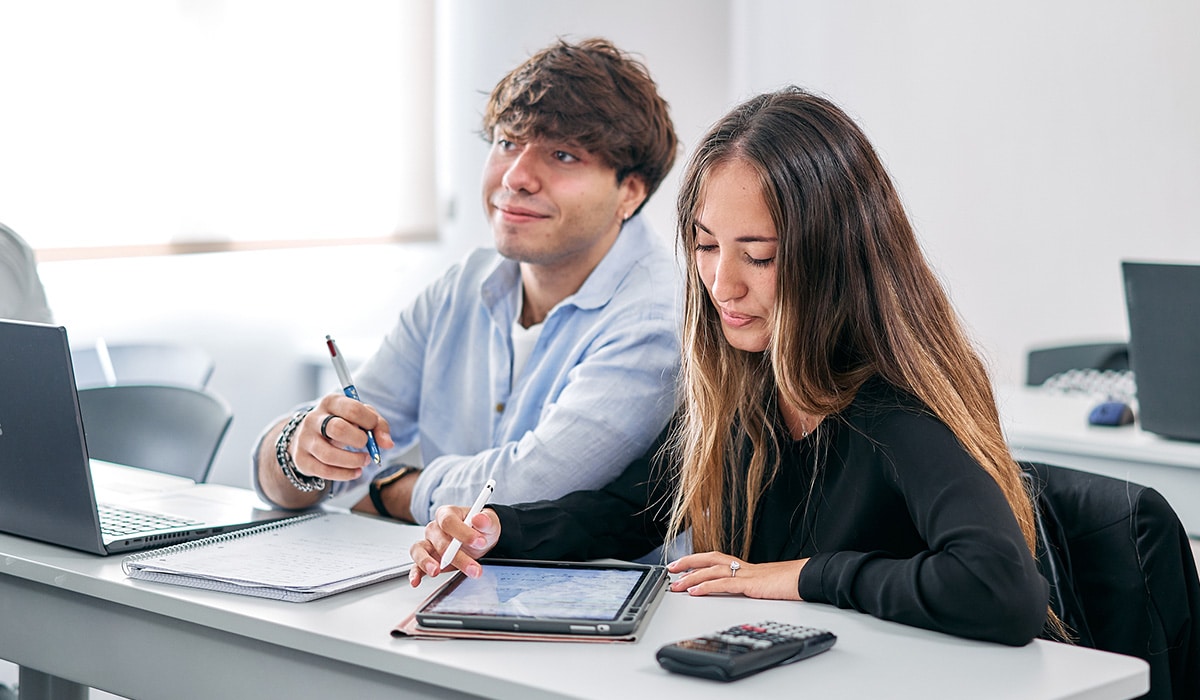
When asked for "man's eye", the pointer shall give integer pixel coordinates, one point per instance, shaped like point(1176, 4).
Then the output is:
point(564, 157)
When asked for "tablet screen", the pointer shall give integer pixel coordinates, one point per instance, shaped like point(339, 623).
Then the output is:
point(577, 592)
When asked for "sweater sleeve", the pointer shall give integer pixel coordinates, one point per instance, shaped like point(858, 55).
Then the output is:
point(975, 577)
point(624, 520)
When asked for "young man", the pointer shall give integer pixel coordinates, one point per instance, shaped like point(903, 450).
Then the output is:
point(549, 363)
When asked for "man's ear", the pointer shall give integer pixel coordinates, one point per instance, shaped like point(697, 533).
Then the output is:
point(633, 193)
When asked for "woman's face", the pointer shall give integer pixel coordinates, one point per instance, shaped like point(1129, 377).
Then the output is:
point(735, 251)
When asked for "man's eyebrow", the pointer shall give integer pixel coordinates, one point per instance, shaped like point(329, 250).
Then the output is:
point(741, 239)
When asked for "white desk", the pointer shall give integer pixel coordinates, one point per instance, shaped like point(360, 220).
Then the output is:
point(1051, 427)
point(77, 617)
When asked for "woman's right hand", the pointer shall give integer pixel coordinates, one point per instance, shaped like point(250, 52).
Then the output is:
point(477, 539)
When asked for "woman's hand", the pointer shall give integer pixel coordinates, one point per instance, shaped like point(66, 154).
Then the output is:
point(714, 572)
point(477, 539)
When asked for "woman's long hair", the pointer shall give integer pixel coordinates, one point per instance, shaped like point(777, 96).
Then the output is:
point(854, 298)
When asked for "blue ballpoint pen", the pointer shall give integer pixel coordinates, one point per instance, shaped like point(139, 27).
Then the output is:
point(339, 366)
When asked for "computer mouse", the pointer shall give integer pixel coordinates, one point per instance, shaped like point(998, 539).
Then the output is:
point(1111, 413)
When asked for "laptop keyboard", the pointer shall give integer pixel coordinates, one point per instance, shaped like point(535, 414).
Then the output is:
point(119, 522)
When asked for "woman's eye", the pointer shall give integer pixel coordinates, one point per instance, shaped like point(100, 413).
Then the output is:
point(759, 262)
point(701, 248)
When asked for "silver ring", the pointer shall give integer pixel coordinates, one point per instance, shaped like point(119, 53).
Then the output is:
point(325, 423)
point(733, 568)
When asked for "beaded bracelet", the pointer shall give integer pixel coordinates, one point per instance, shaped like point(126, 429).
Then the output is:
point(302, 482)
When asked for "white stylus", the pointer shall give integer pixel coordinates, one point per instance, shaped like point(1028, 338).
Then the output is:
point(477, 506)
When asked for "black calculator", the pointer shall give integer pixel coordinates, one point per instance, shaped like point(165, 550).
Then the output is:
point(742, 650)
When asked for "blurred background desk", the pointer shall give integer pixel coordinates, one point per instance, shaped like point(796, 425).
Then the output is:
point(76, 617)
point(1044, 426)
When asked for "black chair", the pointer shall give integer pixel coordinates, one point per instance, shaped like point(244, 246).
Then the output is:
point(1122, 573)
point(171, 429)
point(141, 363)
point(1043, 363)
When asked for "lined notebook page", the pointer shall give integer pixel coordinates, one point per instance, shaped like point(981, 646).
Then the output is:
point(323, 551)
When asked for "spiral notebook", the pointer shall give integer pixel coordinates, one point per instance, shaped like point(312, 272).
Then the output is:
point(297, 560)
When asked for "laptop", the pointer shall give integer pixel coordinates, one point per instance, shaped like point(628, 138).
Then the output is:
point(1163, 302)
point(51, 491)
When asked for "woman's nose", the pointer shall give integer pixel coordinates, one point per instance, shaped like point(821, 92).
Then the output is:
point(727, 283)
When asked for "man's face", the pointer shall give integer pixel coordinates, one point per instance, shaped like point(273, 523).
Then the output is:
point(553, 204)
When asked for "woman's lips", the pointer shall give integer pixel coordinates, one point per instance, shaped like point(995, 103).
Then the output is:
point(734, 319)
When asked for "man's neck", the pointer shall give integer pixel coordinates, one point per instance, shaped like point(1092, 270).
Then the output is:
point(545, 285)
point(543, 289)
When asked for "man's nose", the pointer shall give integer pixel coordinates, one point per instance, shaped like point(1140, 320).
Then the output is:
point(522, 172)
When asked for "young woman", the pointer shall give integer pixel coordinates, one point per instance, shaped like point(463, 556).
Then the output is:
point(838, 440)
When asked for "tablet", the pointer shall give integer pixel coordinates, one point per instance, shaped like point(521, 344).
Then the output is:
point(547, 597)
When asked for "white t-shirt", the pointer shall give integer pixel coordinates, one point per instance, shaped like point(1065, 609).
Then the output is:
point(523, 341)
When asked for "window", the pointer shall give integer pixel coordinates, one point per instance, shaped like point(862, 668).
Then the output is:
point(150, 126)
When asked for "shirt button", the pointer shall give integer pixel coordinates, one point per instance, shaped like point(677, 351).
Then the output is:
point(500, 408)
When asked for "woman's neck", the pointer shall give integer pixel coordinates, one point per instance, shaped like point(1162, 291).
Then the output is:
point(799, 424)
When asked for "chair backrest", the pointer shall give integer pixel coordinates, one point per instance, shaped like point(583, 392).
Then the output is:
point(171, 429)
point(1121, 571)
point(141, 363)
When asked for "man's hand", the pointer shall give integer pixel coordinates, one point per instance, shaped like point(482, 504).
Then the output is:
point(319, 448)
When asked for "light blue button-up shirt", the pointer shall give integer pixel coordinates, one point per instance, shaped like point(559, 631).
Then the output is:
point(597, 389)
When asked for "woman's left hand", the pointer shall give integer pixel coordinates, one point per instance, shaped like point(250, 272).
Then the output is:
point(714, 572)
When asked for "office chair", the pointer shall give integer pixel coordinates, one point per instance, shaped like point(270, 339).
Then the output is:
point(171, 429)
point(141, 363)
point(1043, 363)
point(1121, 571)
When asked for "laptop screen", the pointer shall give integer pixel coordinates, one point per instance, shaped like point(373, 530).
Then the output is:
point(45, 486)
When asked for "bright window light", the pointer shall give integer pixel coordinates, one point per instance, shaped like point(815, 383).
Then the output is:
point(151, 123)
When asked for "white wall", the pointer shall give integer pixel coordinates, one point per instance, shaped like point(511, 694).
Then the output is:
point(1036, 143)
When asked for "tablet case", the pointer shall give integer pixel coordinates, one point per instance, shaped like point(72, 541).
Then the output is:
point(409, 627)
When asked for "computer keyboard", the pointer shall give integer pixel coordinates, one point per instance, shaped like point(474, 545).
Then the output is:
point(1109, 385)
point(119, 522)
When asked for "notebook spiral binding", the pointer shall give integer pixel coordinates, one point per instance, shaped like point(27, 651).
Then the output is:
point(215, 539)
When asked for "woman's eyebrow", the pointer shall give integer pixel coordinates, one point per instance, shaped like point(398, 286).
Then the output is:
point(741, 239)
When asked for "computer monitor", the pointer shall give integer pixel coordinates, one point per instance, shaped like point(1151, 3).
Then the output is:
point(1163, 302)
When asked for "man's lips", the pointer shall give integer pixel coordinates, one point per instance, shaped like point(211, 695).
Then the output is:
point(516, 212)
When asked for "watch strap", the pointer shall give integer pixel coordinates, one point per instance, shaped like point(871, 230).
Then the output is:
point(380, 482)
